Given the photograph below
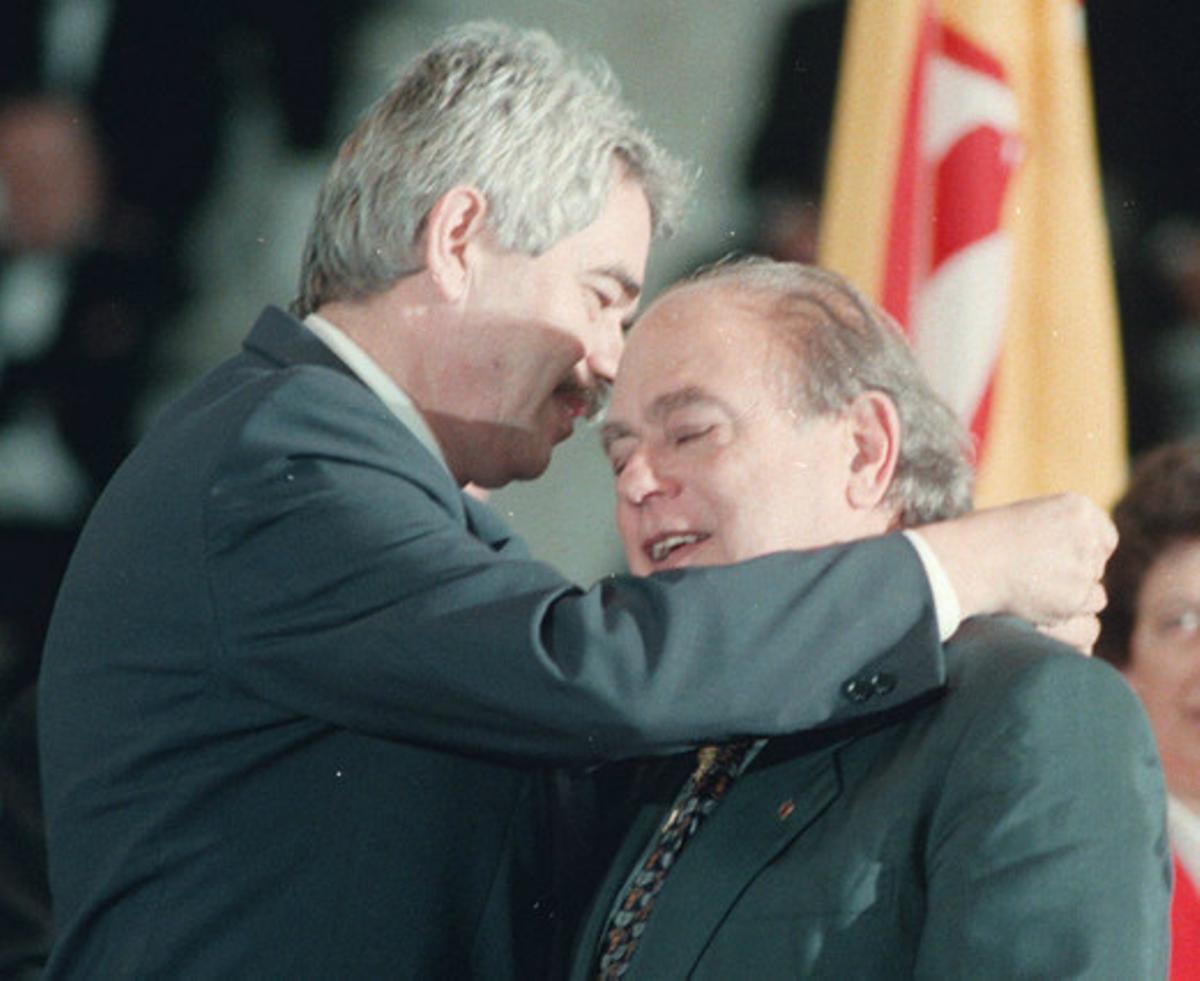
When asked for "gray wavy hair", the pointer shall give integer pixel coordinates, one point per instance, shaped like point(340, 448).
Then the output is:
point(543, 134)
point(843, 345)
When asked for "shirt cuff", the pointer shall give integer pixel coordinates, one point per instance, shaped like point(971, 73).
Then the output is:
point(945, 599)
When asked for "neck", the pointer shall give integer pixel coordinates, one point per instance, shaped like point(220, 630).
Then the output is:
point(400, 329)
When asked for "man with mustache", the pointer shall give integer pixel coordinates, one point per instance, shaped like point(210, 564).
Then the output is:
point(300, 690)
point(1010, 825)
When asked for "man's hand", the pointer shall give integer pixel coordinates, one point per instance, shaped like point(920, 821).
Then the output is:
point(1040, 559)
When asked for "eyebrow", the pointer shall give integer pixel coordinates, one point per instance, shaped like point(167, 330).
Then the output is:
point(662, 406)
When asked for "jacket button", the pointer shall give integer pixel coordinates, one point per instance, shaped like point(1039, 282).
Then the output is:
point(858, 690)
point(883, 682)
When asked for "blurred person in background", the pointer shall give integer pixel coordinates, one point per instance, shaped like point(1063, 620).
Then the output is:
point(111, 116)
point(1151, 632)
point(785, 172)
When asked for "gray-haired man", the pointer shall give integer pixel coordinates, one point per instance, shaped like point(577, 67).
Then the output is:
point(1010, 827)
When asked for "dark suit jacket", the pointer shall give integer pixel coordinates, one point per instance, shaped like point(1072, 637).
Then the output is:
point(298, 689)
point(1014, 828)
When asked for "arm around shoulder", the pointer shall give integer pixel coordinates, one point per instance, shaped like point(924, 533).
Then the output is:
point(350, 589)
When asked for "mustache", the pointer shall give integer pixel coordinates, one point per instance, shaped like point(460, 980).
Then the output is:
point(594, 396)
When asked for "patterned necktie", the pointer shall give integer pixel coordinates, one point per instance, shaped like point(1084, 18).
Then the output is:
point(715, 770)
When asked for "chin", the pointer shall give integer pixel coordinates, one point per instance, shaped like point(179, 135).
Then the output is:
point(515, 455)
point(530, 466)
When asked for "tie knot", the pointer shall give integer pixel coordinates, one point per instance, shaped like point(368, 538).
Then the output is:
point(718, 758)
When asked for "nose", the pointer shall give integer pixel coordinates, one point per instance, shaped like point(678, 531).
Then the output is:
point(640, 480)
point(605, 352)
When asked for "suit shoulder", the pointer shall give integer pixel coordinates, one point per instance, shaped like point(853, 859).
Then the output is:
point(307, 411)
point(999, 662)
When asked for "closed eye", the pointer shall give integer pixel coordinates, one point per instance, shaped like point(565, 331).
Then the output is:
point(618, 452)
point(690, 435)
point(604, 299)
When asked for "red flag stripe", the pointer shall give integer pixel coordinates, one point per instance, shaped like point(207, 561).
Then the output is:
point(899, 270)
point(958, 47)
point(969, 184)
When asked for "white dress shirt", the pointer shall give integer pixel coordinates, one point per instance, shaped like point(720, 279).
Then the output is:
point(1183, 826)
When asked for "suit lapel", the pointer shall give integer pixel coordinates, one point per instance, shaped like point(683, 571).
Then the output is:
point(286, 341)
point(765, 811)
point(283, 339)
point(644, 825)
point(788, 786)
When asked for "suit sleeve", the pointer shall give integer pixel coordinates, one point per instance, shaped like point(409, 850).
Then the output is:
point(1047, 854)
point(348, 588)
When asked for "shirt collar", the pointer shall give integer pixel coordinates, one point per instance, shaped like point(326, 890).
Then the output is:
point(1184, 827)
point(377, 380)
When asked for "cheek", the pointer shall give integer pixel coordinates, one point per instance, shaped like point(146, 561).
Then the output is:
point(627, 529)
point(560, 302)
point(742, 525)
point(1155, 670)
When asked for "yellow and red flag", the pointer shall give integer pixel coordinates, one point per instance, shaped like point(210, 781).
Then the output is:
point(963, 194)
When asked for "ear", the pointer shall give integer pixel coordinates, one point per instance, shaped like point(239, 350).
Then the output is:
point(874, 430)
point(454, 221)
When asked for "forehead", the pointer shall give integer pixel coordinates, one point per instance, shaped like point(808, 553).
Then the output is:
point(1175, 572)
point(621, 232)
point(699, 335)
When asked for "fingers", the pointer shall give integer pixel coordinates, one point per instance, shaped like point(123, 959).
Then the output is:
point(1079, 632)
point(1093, 528)
point(1103, 535)
point(1109, 536)
point(1095, 601)
point(1094, 536)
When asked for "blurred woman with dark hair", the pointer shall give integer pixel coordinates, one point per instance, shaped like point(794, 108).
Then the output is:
point(1151, 632)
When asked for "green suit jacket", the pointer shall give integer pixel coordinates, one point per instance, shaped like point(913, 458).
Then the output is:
point(1013, 828)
